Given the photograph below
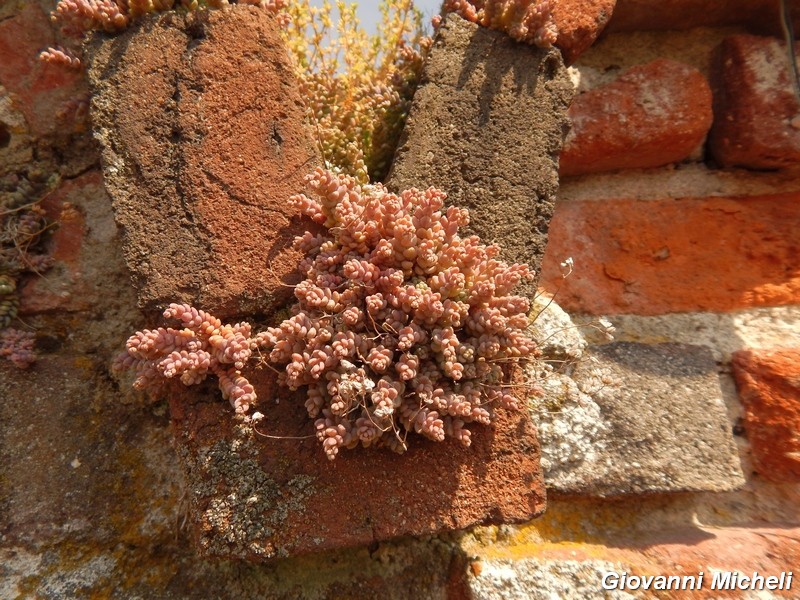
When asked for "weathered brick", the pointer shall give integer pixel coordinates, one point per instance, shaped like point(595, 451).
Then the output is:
point(203, 143)
point(16, 148)
point(259, 497)
point(79, 248)
point(486, 126)
point(756, 122)
point(651, 115)
point(758, 16)
point(640, 418)
point(659, 256)
point(769, 387)
point(579, 23)
point(63, 451)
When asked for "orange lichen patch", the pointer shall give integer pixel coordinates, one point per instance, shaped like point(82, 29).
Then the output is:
point(84, 362)
point(144, 527)
point(101, 507)
point(577, 529)
point(526, 542)
point(663, 256)
point(769, 387)
point(78, 564)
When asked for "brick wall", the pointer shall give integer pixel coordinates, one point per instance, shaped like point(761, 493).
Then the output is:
point(672, 450)
point(680, 206)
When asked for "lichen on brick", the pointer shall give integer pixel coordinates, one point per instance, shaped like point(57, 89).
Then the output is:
point(571, 427)
point(242, 520)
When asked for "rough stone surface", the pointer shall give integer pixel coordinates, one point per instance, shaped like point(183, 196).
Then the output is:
point(664, 425)
point(258, 498)
point(571, 426)
point(614, 53)
point(769, 387)
point(486, 126)
point(535, 579)
point(656, 257)
point(722, 333)
point(651, 115)
point(203, 143)
point(519, 564)
point(759, 16)
point(93, 503)
point(16, 148)
point(756, 123)
point(579, 23)
point(559, 339)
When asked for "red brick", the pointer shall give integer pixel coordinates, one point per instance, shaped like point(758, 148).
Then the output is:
point(579, 23)
point(661, 256)
point(40, 90)
point(203, 148)
point(303, 503)
point(756, 112)
point(69, 284)
point(651, 115)
point(758, 16)
point(769, 387)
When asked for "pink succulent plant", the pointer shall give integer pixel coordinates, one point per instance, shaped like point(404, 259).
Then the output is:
point(204, 345)
point(527, 21)
point(401, 324)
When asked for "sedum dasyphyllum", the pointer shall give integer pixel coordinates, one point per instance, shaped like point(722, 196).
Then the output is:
point(529, 21)
point(204, 345)
point(401, 325)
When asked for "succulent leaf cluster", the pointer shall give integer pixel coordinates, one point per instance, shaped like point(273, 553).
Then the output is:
point(401, 324)
point(529, 21)
point(17, 346)
point(201, 346)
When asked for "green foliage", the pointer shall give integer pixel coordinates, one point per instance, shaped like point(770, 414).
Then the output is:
point(359, 86)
